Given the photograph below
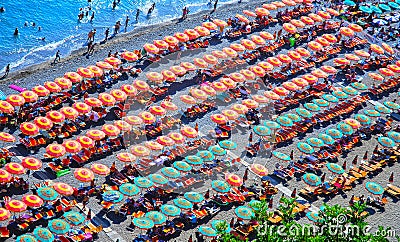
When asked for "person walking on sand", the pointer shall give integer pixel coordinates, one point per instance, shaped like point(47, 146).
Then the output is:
point(127, 22)
point(6, 71)
point(137, 15)
point(58, 57)
point(106, 34)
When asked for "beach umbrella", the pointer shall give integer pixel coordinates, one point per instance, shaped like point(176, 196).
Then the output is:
point(208, 90)
point(182, 166)
point(237, 77)
point(341, 61)
point(259, 169)
point(171, 40)
point(143, 223)
point(189, 132)
point(303, 112)
point(113, 196)
point(322, 41)
point(83, 175)
point(395, 136)
point(58, 226)
point(153, 49)
point(52, 87)
point(320, 102)
point(388, 49)
point(168, 105)
point(193, 197)
point(303, 52)
point(194, 160)
point(82, 108)
point(15, 100)
point(311, 79)
point(394, 5)
point(15, 206)
point(6, 137)
point(271, 124)
point(64, 83)
point(47, 193)
point(262, 130)
point(294, 55)
point(297, 23)
point(141, 85)
point(258, 40)
point(327, 139)
point(353, 123)
point(315, 17)
point(133, 120)
point(240, 108)
point(220, 23)
point(93, 102)
point(230, 52)
point(261, 12)
point(334, 133)
point(123, 125)
point(265, 65)
point(153, 145)
point(362, 53)
point(32, 201)
point(394, 68)
point(140, 150)
point(74, 218)
point(5, 177)
point(203, 31)
point(274, 61)
point(374, 188)
point(205, 155)
point(170, 172)
point(63, 188)
point(284, 58)
point(350, 91)
point(132, 57)
point(386, 142)
point(305, 148)
point(312, 179)
point(284, 121)
point(345, 128)
point(319, 73)
point(386, 72)
point(335, 168)
point(365, 9)
point(219, 118)
point(217, 150)
point(207, 231)
point(228, 82)
point(392, 105)
point(281, 156)
point(220, 186)
point(382, 109)
point(43, 234)
point(352, 57)
point(129, 189)
point(250, 103)
point(83, 72)
point(314, 217)
point(6, 107)
point(330, 98)
point(248, 74)
point(110, 130)
point(170, 210)
point(147, 117)
point(100, 169)
point(210, 59)
point(143, 182)
point(244, 212)
point(85, 142)
point(332, 11)
point(258, 99)
point(165, 140)
point(290, 28)
point(377, 49)
point(26, 238)
point(363, 119)
point(28, 128)
point(315, 46)
point(281, 91)
point(158, 179)
point(315, 142)
point(188, 99)
point(102, 64)
point(41, 91)
point(359, 86)
point(312, 107)
point(271, 95)
point(14, 168)
point(269, 6)
point(177, 137)
point(233, 179)
point(69, 113)
point(117, 94)
point(31, 163)
point(384, 7)
point(230, 114)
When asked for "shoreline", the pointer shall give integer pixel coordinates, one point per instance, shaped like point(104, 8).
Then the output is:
point(121, 39)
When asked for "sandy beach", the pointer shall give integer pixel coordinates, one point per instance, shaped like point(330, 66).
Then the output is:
point(38, 74)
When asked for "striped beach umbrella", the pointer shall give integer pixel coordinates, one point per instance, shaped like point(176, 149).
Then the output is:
point(15, 206)
point(5, 177)
point(113, 196)
point(31, 163)
point(63, 188)
point(259, 169)
point(32, 201)
point(6, 137)
point(312, 107)
point(83, 175)
point(233, 179)
point(320, 102)
point(359, 86)
point(55, 150)
point(140, 150)
point(14, 168)
point(293, 117)
point(4, 214)
point(28, 128)
point(100, 169)
point(392, 105)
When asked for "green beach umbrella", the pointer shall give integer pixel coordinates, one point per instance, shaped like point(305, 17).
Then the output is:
point(372, 113)
point(376, 9)
point(365, 9)
point(392, 105)
point(305, 148)
point(183, 203)
point(340, 94)
point(143, 223)
point(194, 197)
point(374, 188)
point(382, 109)
point(26, 238)
point(194, 160)
point(386, 142)
point(170, 210)
point(129, 189)
point(350, 91)
point(182, 166)
point(384, 7)
point(74, 218)
point(294, 117)
point(170, 172)
point(363, 119)
point(395, 136)
point(330, 98)
point(281, 156)
point(312, 107)
point(244, 212)
point(315, 142)
point(349, 3)
point(47, 193)
point(320, 102)
point(158, 178)
point(394, 5)
point(326, 138)
point(207, 231)
point(312, 179)
point(58, 226)
point(157, 217)
point(113, 196)
point(314, 217)
point(271, 124)
point(262, 130)
point(220, 186)
point(217, 150)
point(143, 182)
point(254, 204)
point(227, 144)
point(345, 128)
point(206, 155)
point(216, 223)
point(284, 121)
point(334, 133)
point(303, 112)
point(335, 168)
point(43, 235)
point(359, 85)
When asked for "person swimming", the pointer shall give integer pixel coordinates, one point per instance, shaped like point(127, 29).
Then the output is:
point(2, 9)
point(16, 32)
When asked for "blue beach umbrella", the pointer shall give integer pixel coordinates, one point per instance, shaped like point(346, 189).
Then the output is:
point(254, 204)
point(170, 172)
point(303, 112)
point(359, 86)
point(334, 133)
point(58, 226)
point(394, 5)
point(217, 150)
point(376, 9)
point(206, 155)
point(158, 179)
point(363, 119)
point(372, 113)
point(47, 193)
point(365, 9)
point(143, 223)
point(284, 121)
point(183, 203)
point(326, 138)
point(349, 3)
point(207, 231)
point(43, 235)
point(312, 107)
point(281, 156)
point(314, 217)
point(194, 160)
point(395, 136)
point(312, 179)
point(392, 105)
point(220, 186)
point(315, 142)
point(74, 218)
point(143, 182)
point(330, 98)
point(350, 91)
point(382, 109)
point(386, 142)
point(320, 102)
point(345, 128)
point(216, 223)
point(227, 144)
point(194, 197)
point(384, 7)
point(262, 130)
point(157, 217)
point(182, 166)
point(374, 188)
point(129, 189)
point(271, 124)
point(294, 117)
point(170, 210)
point(340, 94)
point(26, 238)
point(113, 196)
point(305, 148)
point(244, 212)
point(335, 168)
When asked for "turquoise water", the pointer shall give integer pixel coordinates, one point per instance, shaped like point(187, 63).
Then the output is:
point(62, 30)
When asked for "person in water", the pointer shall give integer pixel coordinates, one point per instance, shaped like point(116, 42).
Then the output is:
point(106, 34)
point(151, 8)
point(16, 32)
point(7, 71)
point(114, 4)
point(127, 22)
point(137, 15)
point(2, 9)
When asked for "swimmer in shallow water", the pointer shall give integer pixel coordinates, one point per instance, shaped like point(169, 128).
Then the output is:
point(2, 9)
point(16, 32)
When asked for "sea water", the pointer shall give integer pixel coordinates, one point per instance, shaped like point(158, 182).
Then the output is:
point(62, 31)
